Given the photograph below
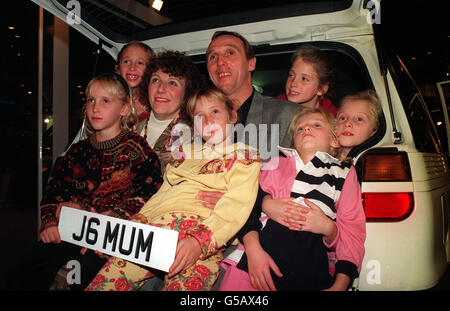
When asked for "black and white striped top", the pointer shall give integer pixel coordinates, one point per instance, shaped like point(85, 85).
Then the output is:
point(320, 180)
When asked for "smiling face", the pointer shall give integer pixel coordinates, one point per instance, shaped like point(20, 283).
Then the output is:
point(228, 67)
point(104, 112)
point(211, 119)
point(312, 134)
point(303, 84)
point(132, 65)
point(354, 123)
point(166, 95)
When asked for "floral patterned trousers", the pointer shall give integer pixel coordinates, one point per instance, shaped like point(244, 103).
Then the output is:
point(121, 275)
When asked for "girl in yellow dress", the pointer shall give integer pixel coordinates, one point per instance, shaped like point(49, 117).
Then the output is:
point(214, 164)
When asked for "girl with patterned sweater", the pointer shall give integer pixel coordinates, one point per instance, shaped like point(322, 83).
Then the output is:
point(216, 164)
point(112, 172)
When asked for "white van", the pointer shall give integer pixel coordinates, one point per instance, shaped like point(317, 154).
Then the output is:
point(403, 169)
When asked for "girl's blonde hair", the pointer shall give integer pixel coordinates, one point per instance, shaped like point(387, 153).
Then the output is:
point(303, 111)
point(371, 97)
point(210, 94)
point(116, 86)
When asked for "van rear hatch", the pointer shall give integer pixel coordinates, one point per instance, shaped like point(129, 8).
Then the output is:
point(115, 22)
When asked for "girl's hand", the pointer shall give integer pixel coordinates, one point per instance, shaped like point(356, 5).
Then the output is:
point(316, 222)
point(284, 211)
point(187, 253)
point(209, 198)
point(259, 264)
point(50, 235)
point(341, 283)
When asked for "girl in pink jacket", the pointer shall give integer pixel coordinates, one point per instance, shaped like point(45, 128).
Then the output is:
point(276, 257)
point(358, 119)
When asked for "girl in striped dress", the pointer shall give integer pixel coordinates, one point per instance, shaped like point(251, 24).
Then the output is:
point(278, 258)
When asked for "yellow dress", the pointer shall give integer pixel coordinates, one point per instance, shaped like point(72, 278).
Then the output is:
point(233, 170)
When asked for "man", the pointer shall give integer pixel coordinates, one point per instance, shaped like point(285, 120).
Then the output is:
point(230, 61)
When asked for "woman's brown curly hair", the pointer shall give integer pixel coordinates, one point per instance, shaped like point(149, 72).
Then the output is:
point(178, 65)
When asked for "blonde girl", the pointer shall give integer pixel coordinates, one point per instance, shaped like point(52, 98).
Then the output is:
point(132, 65)
point(113, 172)
point(357, 120)
point(109, 107)
point(277, 258)
point(212, 164)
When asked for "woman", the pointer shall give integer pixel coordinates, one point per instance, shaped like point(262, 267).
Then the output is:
point(172, 77)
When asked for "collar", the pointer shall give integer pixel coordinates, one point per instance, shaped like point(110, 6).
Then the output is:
point(323, 156)
point(290, 152)
point(162, 123)
point(202, 150)
point(107, 144)
point(245, 108)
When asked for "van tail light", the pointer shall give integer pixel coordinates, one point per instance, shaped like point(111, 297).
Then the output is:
point(387, 206)
point(386, 165)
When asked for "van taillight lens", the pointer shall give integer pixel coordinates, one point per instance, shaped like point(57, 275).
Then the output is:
point(387, 206)
point(386, 167)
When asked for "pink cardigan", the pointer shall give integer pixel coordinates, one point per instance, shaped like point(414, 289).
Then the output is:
point(277, 178)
